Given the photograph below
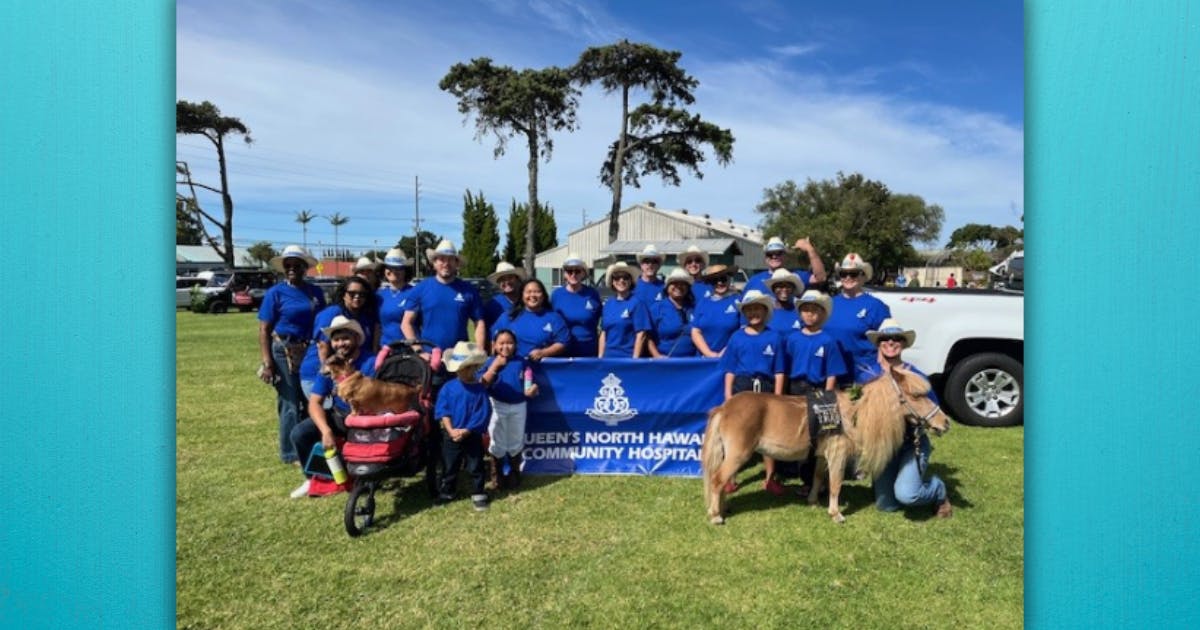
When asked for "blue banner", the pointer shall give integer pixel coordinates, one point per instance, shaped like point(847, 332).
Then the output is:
point(620, 416)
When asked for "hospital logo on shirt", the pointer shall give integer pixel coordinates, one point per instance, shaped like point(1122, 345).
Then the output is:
point(588, 306)
point(403, 302)
point(862, 313)
point(729, 310)
point(458, 297)
point(768, 351)
point(625, 314)
point(820, 351)
point(658, 298)
point(547, 327)
point(796, 324)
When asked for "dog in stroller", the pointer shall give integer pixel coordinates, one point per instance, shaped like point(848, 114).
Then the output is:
point(381, 446)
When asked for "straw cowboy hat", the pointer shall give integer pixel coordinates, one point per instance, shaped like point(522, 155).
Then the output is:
point(574, 261)
point(775, 244)
point(395, 258)
point(341, 322)
point(506, 269)
point(853, 262)
point(783, 276)
point(716, 270)
point(619, 267)
point(292, 251)
point(364, 263)
point(679, 275)
point(692, 250)
point(819, 299)
point(754, 296)
point(649, 251)
point(444, 248)
point(465, 354)
point(892, 328)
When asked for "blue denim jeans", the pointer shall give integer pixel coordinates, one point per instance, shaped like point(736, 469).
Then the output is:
point(288, 402)
point(900, 484)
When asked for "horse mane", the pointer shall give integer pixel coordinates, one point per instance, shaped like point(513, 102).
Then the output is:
point(879, 419)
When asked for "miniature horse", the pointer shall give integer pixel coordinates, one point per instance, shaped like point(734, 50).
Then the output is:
point(777, 426)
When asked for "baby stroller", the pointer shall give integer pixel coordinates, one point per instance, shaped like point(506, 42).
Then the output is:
point(381, 447)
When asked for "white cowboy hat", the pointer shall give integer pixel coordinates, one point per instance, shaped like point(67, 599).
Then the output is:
point(754, 296)
point(620, 267)
point(892, 328)
point(574, 261)
point(444, 248)
point(819, 299)
point(649, 251)
point(716, 270)
point(465, 354)
point(679, 275)
point(775, 244)
point(341, 322)
point(505, 269)
point(692, 250)
point(395, 258)
point(364, 263)
point(784, 276)
point(853, 262)
point(292, 251)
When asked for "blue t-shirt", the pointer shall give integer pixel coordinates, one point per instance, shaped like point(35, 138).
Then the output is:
point(312, 360)
point(760, 355)
point(672, 329)
point(759, 280)
point(785, 321)
point(509, 386)
point(495, 307)
point(445, 310)
point(391, 305)
point(290, 310)
point(649, 292)
point(466, 404)
point(849, 322)
point(534, 330)
point(324, 386)
point(621, 320)
point(702, 290)
point(814, 358)
point(717, 319)
point(581, 312)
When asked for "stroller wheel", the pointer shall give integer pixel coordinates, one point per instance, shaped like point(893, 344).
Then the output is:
point(360, 509)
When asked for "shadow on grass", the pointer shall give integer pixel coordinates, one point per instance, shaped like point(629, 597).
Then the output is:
point(947, 474)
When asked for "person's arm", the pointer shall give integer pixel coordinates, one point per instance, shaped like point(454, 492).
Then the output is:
point(551, 350)
point(600, 346)
point(638, 341)
point(264, 349)
point(814, 259)
point(830, 383)
point(316, 411)
point(701, 344)
point(728, 385)
point(779, 382)
point(652, 348)
point(481, 337)
point(406, 325)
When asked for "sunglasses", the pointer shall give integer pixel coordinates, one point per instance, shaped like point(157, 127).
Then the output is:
point(651, 261)
point(622, 279)
point(895, 339)
point(720, 279)
point(849, 274)
point(296, 266)
point(572, 271)
point(698, 261)
point(357, 294)
point(774, 254)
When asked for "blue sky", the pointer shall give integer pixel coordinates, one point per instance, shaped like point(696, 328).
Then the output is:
point(342, 101)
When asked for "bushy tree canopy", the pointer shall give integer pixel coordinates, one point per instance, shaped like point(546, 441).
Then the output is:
point(205, 119)
point(545, 230)
point(481, 236)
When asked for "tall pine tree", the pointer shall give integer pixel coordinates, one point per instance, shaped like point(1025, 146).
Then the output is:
point(545, 231)
point(481, 236)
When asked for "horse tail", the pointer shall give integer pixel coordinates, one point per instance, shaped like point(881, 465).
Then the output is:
point(712, 452)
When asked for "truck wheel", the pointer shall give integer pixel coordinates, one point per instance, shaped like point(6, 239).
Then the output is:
point(987, 390)
point(218, 307)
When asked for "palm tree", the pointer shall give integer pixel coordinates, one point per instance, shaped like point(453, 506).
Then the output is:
point(303, 217)
point(337, 220)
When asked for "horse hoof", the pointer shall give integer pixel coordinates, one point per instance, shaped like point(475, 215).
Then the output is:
point(838, 518)
point(717, 520)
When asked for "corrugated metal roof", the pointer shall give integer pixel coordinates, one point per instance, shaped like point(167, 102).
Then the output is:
point(708, 245)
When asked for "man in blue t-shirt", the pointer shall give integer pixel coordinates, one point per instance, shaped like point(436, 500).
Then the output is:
point(775, 251)
point(444, 303)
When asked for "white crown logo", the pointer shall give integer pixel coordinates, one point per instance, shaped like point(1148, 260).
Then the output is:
point(611, 406)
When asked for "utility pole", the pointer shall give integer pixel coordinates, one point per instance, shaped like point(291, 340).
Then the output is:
point(417, 222)
point(584, 210)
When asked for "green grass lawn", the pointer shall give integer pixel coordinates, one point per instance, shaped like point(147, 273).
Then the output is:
point(565, 551)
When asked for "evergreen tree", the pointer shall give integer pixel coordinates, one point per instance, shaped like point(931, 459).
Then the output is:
point(481, 236)
point(545, 231)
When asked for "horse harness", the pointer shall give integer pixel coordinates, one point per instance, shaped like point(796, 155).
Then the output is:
point(919, 422)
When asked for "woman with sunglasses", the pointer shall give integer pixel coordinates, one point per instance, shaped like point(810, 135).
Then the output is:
point(285, 325)
point(717, 316)
point(784, 286)
point(671, 319)
point(855, 313)
point(694, 260)
point(354, 300)
point(649, 286)
point(625, 319)
point(775, 252)
point(392, 296)
point(540, 332)
point(579, 305)
point(901, 484)
point(508, 280)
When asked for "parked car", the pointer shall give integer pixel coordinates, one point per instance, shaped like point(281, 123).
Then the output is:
point(328, 284)
point(242, 289)
point(486, 289)
point(183, 289)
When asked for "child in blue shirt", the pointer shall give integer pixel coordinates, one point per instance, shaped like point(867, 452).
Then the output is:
point(504, 376)
point(462, 413)
point(815, 364)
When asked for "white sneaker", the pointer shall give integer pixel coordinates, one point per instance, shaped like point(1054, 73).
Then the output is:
point(301, 491)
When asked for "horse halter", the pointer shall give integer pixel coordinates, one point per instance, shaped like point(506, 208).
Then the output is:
point(921, 421)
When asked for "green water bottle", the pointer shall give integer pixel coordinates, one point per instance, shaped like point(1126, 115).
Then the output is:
point(335, 465)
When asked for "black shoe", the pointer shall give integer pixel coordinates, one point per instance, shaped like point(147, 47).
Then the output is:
point(443, 499)
point(481, 502)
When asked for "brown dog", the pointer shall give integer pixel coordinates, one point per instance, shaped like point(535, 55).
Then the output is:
point(367, 395)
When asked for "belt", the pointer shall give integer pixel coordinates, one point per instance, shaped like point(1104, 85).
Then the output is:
point(754, 383)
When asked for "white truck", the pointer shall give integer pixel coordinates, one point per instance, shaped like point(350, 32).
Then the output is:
point(972, 345)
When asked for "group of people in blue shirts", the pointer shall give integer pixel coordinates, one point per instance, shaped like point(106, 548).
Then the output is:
point(781, 334)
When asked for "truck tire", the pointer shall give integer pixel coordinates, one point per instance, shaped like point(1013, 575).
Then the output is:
point(218, 307)
point(987, 390)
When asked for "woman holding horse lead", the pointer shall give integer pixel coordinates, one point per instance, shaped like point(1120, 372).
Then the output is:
point(901, 483)
point(672, 319)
